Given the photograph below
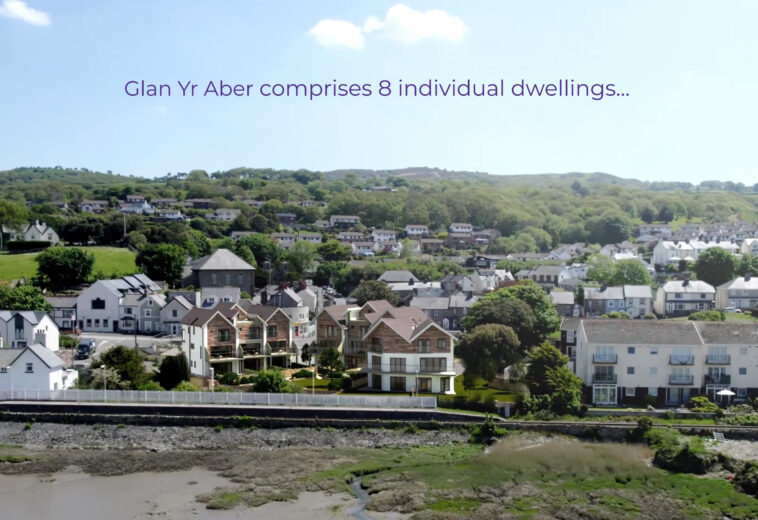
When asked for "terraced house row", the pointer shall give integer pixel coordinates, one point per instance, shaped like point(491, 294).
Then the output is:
point(663, 363)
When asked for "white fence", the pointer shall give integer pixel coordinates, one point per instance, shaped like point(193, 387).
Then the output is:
point(220, 398)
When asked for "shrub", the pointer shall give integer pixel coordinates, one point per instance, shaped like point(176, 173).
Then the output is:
point(151, 386)
point(669, 415)
point(488, 432)
point(338, 383)
point(229, 378)
point(701, 404)
point(185, 386)
point(675, 452)
point(302, 373)
point(270, 381)
point(747, 478)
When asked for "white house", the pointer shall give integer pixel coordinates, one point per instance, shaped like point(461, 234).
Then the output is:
point(638, 300)
point(63, 311)
point(461, 227)
point(99, 305)
point(383, 235)
point(285, 240)
point(416, 231)
point(667, 251)
point(679, 298)
point(39, 231)
point(141, 312)
point(34, 368)
point(313, 238)
point(172, 313)
point(749, 246)
point(625, 362)
point(224, 214)
point(741, 293)
point(19, 329)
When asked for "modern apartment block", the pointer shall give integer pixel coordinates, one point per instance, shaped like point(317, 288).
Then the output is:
point(630, 362)
point(236, 337)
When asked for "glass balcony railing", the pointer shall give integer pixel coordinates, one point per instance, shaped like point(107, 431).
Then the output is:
point(718, 359)
point(605, 358)
point(681, 360)
point(681, 380)
point(604, 378)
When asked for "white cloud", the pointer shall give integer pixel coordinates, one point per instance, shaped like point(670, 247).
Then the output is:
point(407, 25)
point(19, 10)
point(337, 33)
point(401, 23)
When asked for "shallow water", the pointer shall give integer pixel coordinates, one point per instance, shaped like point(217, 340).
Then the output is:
point(73, 495)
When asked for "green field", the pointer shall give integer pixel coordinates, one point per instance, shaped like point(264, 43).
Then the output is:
point(107, 259)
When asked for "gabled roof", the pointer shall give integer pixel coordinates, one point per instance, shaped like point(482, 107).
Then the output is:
point(265, 312)
point(181, 300)
point(562, 297)
point(439, 303)
point(378, 306)
point(47, 356)
point(61, 301)
point(9, 355)
point(337, 312)
point(637, 291)
point(33, 317)
point(198, 317)
point(688, 286)
point(603, 293)
point(221, 260)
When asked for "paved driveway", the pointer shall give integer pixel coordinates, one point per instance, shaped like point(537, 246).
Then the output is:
point(106, 341)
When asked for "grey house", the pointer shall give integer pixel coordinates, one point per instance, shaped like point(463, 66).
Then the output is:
point(221, 269)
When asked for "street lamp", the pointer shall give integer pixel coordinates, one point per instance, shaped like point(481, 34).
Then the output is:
point(105, 384)
point(211, 382)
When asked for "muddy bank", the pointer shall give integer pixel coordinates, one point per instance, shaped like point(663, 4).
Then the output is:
point(125, 437)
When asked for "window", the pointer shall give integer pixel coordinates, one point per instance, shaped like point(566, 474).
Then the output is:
point(89, 322)
point(30, 368)
point(150, 303)
point(214, 279)
point(240, 280)
point(397, 364)
point(743, 371)
point(376, 344)
point(630, 371)
point(105, 322)
point(604, 394)
point(743, 351)
point(147, 312)
point(174, 313)
point(741, 392)
point(436, 313)
point(653, 371)
point(433, 364)
point(630, 350)
point(653, 350)
point(424, 384)
point(376, 362)
point(128, 311)
point(423, 345)
point(3, 370)
point(652, 391)
point(441, 344)
point(641, 301)
point(271, 330)
point(192, 346)
point(224, 334)
point(98, 303)
point(702, 296)
point(331, 330)
point(629, 391)
point(97, 322)
point(445, 384)
point(254, 333)
point(397, 384)
point(678, 296)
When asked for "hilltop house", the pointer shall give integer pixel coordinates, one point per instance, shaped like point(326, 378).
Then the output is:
point(220, 269)
point(39, 231)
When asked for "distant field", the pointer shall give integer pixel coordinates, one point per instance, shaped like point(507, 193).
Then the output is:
point(107, 259)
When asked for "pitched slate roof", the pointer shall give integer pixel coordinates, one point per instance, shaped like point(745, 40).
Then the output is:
point(562, 297)
point(47, 356)
point(646, 332)
point(397, 276)
point(221, 260)
point(264, 311)
point(9, 355)
point(692, 286)
point(725, 333)
point(637, 291)
point(603, 293)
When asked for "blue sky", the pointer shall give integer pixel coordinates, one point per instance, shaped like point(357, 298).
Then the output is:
point(689, 69)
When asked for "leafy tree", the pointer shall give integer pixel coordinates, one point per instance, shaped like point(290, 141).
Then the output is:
point(136, 240)
point(332, 251)
point(647, 214)
point(23, 298)
point(542, 360)
point(712, 315)
point(270, 381)
point(162, 262)
point(510, 312)
point(608, 229)
point(107, 376)
point(369, 290)
point(715, 266)
point(487, 350)
point(631, 272)
point(263, 248)
point(244, 252)
point(185, 386)
point(172, 371)
point(565, 390)
point(748, 265)
point(127, 362)
point(12, 216)
point(546, 319)
point(329, 361)
point(617, 315)
point(335, 274)
point(63, 267)
point(301, 257)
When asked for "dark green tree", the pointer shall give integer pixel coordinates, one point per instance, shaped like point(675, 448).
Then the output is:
point(330, 362)
point(162, 262)
point(715, 266)
point(172, 371)
point(369, 290)
point(270, 381)
point(542, 359)
point(128, 363)
point(514, 313)
point(487, 350)
point(332, 251)
point(12, 216)
point(63, 267)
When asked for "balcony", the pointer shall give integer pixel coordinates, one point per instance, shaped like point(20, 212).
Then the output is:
point(681, 380)
point(681, 360)
point(252, 350)
point(223, 353)
point(723, 379)
point(604, 379)
point(605, 358)
point(718, 360)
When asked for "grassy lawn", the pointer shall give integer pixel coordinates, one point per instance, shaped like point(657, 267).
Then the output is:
point(107, 259)
point(305, 384)
point(483, 391)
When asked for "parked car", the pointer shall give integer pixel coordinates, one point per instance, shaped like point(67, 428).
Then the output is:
point(733, 310)
point(85, 349)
